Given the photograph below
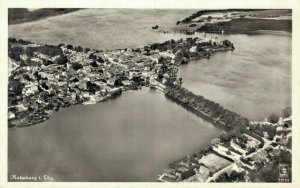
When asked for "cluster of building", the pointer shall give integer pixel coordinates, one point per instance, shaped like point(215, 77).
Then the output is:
point(40, 83)
point(86, 78)
point(243, 159)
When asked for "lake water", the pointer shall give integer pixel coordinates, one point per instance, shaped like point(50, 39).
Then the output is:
point(134, 137)
point(253, 80)
point(102, 28)
point(131, 138)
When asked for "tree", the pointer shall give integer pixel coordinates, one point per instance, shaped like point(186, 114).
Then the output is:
point(243, 138)
point(184, 61)
point(70, 47)
point(92, 87)
point(155, 27)
point(188, 174)
point(12, 40)
point(79, 49)
point(16, 87)
point(227, 43)
point(118, 83)
point(160, 76)
point(251, 150)
point(224, 137)
point(161, 60)
point(86, 50)
point(47, 62)
point(23, 42)
point(75, 80)
point(15, 53)
point(77, 66)
point(259, 131)
point(94, 64)
point(26, 77)
point(287, 112)
point(273, 118)
point(180, 81)
point(271, 130)
point(45, 86)
point(37, 76)
point(62, 60)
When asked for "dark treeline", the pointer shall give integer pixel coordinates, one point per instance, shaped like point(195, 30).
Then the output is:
point(21, 15)
point(49, 50)
point(244, 25)
point(201, 12)
point(18, 47)
point(15, 53)
point(216, 112)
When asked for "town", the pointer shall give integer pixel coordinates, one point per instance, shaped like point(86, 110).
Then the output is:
point(44, 78)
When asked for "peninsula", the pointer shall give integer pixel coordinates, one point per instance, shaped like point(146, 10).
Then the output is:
point(44, 78)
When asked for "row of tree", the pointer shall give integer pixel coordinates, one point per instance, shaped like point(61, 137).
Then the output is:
point(226, 117)
point(20, 41)
point(49, 50)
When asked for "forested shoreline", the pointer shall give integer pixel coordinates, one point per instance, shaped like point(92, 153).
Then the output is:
point(210, 109)
point(22, 15)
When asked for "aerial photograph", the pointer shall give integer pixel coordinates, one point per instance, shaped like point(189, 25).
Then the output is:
point(149, 95)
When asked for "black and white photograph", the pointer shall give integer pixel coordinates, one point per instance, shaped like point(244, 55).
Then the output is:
point(150, 95)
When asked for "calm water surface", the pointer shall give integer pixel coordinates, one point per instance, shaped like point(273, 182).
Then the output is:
point(253, 80)
point(102, 28)
point(131, 138)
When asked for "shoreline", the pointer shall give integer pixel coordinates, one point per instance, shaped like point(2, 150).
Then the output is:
point(258, 32)
point(271, 32)
point(24, 21)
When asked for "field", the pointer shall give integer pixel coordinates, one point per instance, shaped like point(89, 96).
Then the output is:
point(245, 25)
point(272, 13)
